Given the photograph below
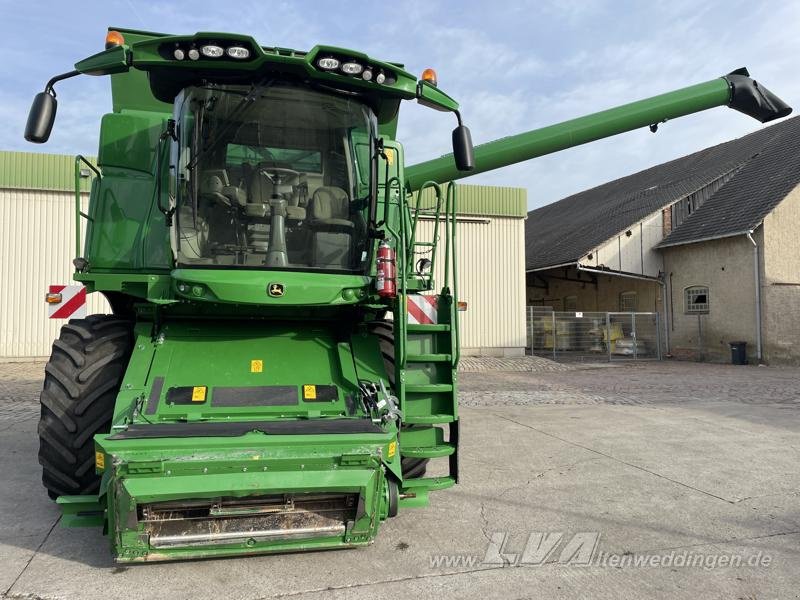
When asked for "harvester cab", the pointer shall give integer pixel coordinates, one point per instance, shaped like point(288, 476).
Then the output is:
point(281, 363)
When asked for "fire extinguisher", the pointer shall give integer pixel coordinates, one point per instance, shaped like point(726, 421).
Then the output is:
point(386, 283)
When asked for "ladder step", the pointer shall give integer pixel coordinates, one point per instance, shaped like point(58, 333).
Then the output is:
point(429, 387)
point(425, 244)
point(428, 484)
point(428, 451)
point(421, 358)
point(416, 328)
point(427, 419)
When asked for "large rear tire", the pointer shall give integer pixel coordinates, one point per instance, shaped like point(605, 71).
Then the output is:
point(384, 331)
point(81, 382)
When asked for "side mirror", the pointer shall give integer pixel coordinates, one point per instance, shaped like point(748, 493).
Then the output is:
point(462, 149)
point(41, 118)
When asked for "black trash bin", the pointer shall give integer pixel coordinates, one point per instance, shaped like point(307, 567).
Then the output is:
point(738, 353)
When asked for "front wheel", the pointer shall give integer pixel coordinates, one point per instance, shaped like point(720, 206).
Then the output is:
point(81, 382)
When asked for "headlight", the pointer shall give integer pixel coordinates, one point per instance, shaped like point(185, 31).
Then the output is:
point(194, 54)
point(237, 52)
point(380, 78)
point(211, 51)
point(328, 63)
point(366, 75)
point(352, 68)
point(179, 54)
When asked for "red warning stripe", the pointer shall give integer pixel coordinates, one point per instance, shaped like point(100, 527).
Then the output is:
point(71, 305)
point(55, 289)
point(418, 315)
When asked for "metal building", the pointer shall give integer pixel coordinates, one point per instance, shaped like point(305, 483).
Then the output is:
point(37, 245)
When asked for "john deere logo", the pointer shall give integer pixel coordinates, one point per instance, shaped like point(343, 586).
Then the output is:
point(276, 290)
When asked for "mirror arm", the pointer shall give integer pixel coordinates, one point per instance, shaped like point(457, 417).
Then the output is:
point(49, 87)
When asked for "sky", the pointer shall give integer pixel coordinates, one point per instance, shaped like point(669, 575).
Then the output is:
point(513, 67)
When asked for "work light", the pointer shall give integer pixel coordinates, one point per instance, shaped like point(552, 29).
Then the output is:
point(211, 51)
point(328, 63)
point(239, 52)
point(352, 68)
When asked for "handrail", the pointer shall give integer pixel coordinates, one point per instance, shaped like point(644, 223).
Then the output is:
point(78, 213)
point(438, 210)
point(452, 211)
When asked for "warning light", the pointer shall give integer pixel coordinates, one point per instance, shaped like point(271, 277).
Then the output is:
point(462, 306)
point(114, 38)
point(429, 75)
point(51, 298)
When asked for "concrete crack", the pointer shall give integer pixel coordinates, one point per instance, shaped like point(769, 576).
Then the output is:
point(35, 552)
point(381, 582)
point(623, 462)
point(485, 522)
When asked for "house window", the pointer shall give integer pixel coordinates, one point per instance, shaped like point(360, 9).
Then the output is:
point(628, 302)
point(570, 303)
point(696, 300)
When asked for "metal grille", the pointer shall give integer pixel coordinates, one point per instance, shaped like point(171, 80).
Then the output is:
point(593, 336)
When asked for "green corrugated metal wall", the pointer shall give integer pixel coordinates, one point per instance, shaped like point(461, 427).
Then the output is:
point(486, 200)
point(36, 171)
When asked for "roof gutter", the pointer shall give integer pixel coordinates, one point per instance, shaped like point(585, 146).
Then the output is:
point(757, 276)
point(659, 280)
point(547, 268)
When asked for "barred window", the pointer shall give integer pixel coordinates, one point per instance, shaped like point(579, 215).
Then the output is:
point(628, 302)
point(696, 300)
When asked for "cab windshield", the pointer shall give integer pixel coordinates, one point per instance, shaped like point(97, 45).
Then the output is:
point(273, 177)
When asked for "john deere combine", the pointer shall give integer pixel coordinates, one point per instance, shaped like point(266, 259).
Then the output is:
point(260, 386)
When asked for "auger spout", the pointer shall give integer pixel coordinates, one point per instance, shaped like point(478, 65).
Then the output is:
point(736, 90)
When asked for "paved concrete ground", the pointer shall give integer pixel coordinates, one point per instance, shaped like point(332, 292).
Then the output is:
point(694, 462)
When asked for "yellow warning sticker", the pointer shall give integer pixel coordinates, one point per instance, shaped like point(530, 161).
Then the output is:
point(199, 393)
point(99, 460)
point(256, 366)
point(309, 392)
point(392, 450)
point(389, 155)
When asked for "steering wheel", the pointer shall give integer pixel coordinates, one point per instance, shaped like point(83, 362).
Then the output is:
point(278, 175)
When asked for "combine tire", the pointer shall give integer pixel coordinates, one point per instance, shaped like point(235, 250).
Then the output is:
point(81, 382)
point(384, 331)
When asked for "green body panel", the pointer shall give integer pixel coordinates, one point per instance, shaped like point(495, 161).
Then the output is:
point(524, 146)
point(241, 467)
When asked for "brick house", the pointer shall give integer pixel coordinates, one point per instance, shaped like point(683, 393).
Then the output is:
point(709, 241)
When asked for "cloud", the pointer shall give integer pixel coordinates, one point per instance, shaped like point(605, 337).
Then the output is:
point(512, 65)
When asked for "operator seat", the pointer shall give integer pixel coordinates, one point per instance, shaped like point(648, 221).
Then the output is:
point(332, 228)
point(215, 186)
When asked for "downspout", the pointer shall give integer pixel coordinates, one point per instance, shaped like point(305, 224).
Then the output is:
point(757, 276)
point(662, 281)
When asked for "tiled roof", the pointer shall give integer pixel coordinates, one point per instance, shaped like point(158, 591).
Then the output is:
point(766, 165)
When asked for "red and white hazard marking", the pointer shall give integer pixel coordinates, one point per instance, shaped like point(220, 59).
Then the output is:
point(72, 305)
point(422, 310)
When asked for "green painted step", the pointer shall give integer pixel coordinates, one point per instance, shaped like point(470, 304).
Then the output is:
point(428, 484)
point(428, 451)
point(427, 419)
point(428, 388)
point(419, 358)
point(415, 328)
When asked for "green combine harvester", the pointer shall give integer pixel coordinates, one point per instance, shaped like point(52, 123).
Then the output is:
point(279, 370)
